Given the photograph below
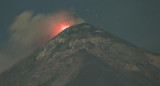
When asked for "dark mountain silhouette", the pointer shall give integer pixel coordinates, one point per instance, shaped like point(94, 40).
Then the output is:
point(84, 55)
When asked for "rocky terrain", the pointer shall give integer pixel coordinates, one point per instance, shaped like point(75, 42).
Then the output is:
point(84, 55)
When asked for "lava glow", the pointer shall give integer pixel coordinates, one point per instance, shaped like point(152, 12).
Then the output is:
point(65, 26)
point(61, 27)
point(61, 21)
point(58, 27)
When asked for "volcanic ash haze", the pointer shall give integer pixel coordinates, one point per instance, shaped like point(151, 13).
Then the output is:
point(83, 55)
point(30, 31)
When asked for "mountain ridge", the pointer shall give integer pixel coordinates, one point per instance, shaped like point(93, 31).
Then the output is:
point(83, 55)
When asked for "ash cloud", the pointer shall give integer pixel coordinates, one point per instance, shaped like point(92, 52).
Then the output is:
point(29, 31)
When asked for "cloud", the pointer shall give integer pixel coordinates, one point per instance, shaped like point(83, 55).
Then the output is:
point(29, 31)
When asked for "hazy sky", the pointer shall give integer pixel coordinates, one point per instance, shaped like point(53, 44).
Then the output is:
point(137, 21)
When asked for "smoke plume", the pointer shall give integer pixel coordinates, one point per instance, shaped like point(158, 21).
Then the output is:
point(29, 31)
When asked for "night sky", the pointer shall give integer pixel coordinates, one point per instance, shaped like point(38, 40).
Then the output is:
point(137, 21)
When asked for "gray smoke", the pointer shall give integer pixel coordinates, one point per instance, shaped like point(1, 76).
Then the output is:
point(30, 31)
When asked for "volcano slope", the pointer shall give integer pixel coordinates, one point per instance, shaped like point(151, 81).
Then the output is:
point(84, 55)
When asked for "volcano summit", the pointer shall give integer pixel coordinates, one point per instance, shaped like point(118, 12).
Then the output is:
point(83, 55)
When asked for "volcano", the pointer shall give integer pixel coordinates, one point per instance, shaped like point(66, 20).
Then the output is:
point(83, 55)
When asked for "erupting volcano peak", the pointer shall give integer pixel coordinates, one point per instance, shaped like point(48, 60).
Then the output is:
point(58, 27)
point(84, 55)
point(59, 22)
point(61, 27)
point(64, 26)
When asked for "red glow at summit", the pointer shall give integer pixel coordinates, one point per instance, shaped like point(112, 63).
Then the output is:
point(61, 27)
point(59, 22)
point(64, 26)
point(58, 27)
